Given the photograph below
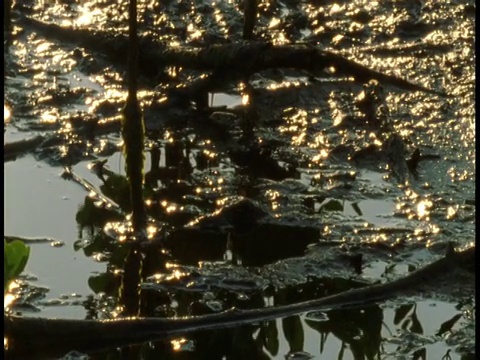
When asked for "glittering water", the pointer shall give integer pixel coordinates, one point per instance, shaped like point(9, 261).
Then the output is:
point(51, 84)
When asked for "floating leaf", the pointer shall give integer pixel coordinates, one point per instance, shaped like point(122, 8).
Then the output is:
point(319, 316)
point(333, 205)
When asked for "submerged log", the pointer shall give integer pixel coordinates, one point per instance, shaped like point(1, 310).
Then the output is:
point(42, 335)
point(242, 58)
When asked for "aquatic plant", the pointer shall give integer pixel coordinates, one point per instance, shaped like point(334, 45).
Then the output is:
point(15, 257)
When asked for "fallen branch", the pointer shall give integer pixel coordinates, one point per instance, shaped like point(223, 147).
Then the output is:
point(14, 148)
point(243, 58)
point(38, 334)
point(419, 49)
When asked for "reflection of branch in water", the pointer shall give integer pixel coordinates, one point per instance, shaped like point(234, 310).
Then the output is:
point(358, 329)
point(341, 352)
point(384, 324)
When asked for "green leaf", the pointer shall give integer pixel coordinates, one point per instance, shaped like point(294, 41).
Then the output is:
point(16, 255)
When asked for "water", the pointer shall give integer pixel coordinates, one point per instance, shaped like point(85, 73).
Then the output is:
point(40, 204)
point(47, 82)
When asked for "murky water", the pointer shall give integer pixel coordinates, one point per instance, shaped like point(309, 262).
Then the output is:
point(310, 168)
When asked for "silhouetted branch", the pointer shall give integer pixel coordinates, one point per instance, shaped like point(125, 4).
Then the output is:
point(244, 58)
point(89, 335)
